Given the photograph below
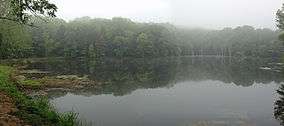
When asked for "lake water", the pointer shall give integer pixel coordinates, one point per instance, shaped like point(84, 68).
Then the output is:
point(185, 91)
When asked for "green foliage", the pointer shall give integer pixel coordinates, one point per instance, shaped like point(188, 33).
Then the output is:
point(20, 10)
point(281, 36)
point(37, 112)
point(279, 105)
point(280, 18)
point(242, 41)
point(15, 40)
point(32, 83)
point(120, 37)
point(68, 119)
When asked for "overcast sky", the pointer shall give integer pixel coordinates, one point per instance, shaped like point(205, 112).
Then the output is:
point(193, 13)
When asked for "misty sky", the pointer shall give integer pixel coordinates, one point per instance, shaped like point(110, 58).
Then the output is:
point(191, 13)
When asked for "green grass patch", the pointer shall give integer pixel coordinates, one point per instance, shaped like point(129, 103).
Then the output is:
point(37, 112)
point(32, 83)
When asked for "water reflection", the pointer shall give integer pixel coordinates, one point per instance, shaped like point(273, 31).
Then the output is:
point(122, 76)
point(190, 103)
point(171, 91)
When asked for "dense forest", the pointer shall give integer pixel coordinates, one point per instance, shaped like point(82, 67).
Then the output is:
point(120, 37)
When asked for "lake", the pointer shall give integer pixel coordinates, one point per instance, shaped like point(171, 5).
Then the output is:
point(183, 91)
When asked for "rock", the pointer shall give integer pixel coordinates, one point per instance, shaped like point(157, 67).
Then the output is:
point(78, 86)
point(64, 77)
point(37, 93)
point(84, 78)
point(265, 68)
point(34, 72)
point(61, 77)
point(72, 77)
point(20, 78)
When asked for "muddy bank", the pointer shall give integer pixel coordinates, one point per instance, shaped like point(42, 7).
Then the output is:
point(36, 82)
point(16, 105)
point(62, 81)
point(7, 108)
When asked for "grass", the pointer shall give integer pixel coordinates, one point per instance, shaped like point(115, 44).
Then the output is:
point(32, 83)
point(36, 112)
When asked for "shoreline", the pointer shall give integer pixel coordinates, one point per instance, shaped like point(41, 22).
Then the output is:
point(25, 109)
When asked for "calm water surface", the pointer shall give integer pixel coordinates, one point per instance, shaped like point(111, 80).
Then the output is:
point(172, 91)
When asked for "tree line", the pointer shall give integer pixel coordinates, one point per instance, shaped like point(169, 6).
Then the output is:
point(121, 37)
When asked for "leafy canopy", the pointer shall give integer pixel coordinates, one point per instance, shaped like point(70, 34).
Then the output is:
point(280, 18)
point(20, 10)
point(280, 21)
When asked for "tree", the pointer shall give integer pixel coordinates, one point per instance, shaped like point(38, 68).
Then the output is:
point(280, 18)
point(20, 10)
point(279, 105)
point(144, 45)
point(15, 40)
point(280, 21)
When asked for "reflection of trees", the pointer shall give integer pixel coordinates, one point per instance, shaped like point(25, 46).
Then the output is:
point(240, 72)
point(56, 93)
point(122, 76)
point(279, 106)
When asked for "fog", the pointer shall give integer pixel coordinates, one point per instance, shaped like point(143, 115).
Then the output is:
point(225, 13)
point(213, 14)
point(142, 62)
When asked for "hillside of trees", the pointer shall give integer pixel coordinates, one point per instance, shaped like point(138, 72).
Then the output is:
point(121, 37)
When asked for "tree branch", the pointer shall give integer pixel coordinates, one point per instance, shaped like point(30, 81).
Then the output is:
point(16, 21)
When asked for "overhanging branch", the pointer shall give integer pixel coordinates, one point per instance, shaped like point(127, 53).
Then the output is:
point(16, 21)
